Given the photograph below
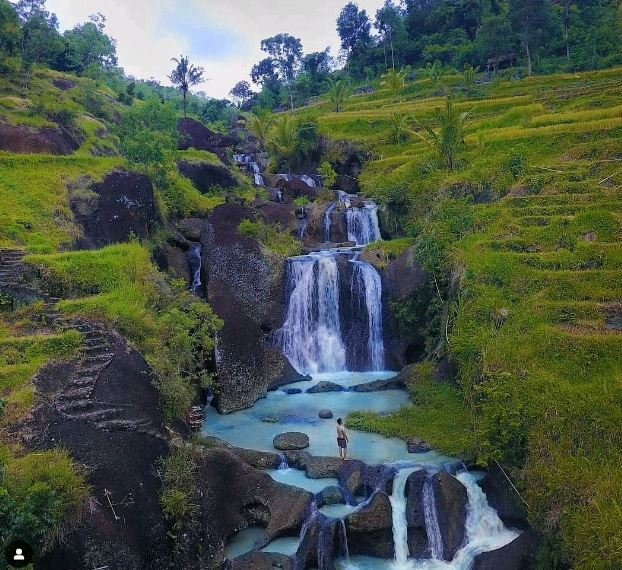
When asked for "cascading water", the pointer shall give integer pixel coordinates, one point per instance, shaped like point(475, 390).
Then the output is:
point(328, 221)
point(435, 539)
point(398, 509)
point(366, 285)
point(362, 224)
point(194, 259)
point(311, 335)
point(308, 180)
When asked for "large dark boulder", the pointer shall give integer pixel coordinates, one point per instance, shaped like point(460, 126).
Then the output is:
point(451, 508)
point(415, 516)
point(245, 288)
point(520, 554)
point(315, 466)
point(106, 414)
point(380, 385)
point(291, 441)
point(193, 134)
point(322, 542)
point(234, 496)
point(296, 188)
point(205, 175)
point(370, 529)
point(503, 498)
point(362, 480)
point(121, 205)
point(46, 140)
point(191, 228)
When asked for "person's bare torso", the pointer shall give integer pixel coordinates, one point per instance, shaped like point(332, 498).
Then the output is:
point(341, 432)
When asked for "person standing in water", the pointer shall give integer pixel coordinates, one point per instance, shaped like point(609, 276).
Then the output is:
point(342, 440)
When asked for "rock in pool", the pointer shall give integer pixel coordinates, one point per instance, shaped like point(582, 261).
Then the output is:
point(290, 441)
point(326, 414)
point(292, 391)
point(325, 386)
point(416, 445)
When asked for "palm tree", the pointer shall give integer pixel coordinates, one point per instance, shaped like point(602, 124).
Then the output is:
point(449, 138)
point(259, 125)
point(282, 141)
point(394, 80)
point(398, 128)
point(339, 92)
point(436, 71)
point(469, 76)
point(185, 75)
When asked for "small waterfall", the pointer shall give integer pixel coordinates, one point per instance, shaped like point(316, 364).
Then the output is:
point(327, 221)
point(398, 507)
point(432, 528)
point(366, 284)
point(311, 335)
point(194, 259)
point(259, 181)
point(283, 465)
point(302, 223)
point(342, 537)
point(344, 198)
point(362, 224)
point(308, 180)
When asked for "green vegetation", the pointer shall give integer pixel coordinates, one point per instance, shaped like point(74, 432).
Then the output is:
point(271, 236)
point(523, 243)
point(173, 329)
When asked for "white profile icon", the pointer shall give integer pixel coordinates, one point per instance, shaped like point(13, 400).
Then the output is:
point(18, 554)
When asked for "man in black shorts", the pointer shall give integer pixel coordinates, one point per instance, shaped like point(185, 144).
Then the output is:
point(342, 439)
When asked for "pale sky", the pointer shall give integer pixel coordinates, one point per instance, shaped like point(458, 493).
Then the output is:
point(221, 35)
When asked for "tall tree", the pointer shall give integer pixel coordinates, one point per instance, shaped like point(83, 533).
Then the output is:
point(88, 45)
point(185, 75)
point(10, 30)
point(353, 26)
point(241, 92)
point(286, 54)
point(529, 19)
point(390, 23)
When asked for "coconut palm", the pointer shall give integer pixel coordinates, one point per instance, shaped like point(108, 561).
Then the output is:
point(259, 125)
point(436, 71)
point(394, 80)
point(282, 140)
point(398, 128)
point(449, 138)
point(339, 92)
point(185, 75)
point(469, 76)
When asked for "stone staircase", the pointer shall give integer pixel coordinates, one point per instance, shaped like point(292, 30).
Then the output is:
point(77, 400)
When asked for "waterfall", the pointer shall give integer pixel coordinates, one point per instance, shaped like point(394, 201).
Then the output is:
point(194, 259)
point(366, 284)
point(344, 551)
point(435, 539)
point(398, 508)
point(283, 465)
point(363, 224)
point(328, 221)
point(311, 335)
point(308, 180)
point(259, 181)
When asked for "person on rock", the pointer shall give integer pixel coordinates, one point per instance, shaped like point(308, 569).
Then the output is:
point(342, 440)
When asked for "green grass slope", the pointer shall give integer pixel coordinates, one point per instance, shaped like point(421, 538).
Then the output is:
point(525, 238)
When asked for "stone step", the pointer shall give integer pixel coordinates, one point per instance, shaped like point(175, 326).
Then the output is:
point(97, 358)
point(95, 415)
point(93, 370)
point(83, 393)
point(128, 425)
point(74, 405)
point(82, 381)
point(96, 347)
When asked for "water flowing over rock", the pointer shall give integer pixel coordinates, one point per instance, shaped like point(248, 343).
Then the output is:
point(370, 530)
point(194, 259)
point(363, 224)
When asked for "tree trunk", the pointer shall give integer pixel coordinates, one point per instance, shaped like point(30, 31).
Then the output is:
point(291, 97)
point(566, 31)
point(184, 94)
point(392, 54)
point(525, 42)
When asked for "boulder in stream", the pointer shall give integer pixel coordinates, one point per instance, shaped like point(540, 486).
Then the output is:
point(451, 508)
point(326, 414)
point(380, 385)
point(370, 529)
point(517, 555)
point(325, 386)
point(291, 440)
point(416, 445)
point(415, 516)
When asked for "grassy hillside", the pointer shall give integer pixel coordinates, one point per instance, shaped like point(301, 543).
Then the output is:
point(524, 240)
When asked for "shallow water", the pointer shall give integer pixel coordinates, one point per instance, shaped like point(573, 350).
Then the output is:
point(299, 479)
point(243, 542)
point(278, 412)
point(284, 545)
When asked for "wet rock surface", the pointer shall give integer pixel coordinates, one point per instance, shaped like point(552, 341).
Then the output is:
point(416, 445)
point(503, 498)
point(291, 441)
point(370, 529)
point(451, 508)
point(234, 496)
point(362, 480)
point(520, 554)
point(418, 545)
point(325, 386)
point(315, 467)
point(261, 561)
point(326, 414)
point(380, 385)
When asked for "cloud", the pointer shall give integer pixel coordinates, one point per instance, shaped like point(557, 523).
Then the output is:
point(221, 35)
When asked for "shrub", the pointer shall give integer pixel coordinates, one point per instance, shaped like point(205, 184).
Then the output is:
point(271, 236)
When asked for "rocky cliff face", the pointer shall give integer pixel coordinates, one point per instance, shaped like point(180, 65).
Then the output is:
point(245, 288)
point(205, 175)
point(47, 140)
